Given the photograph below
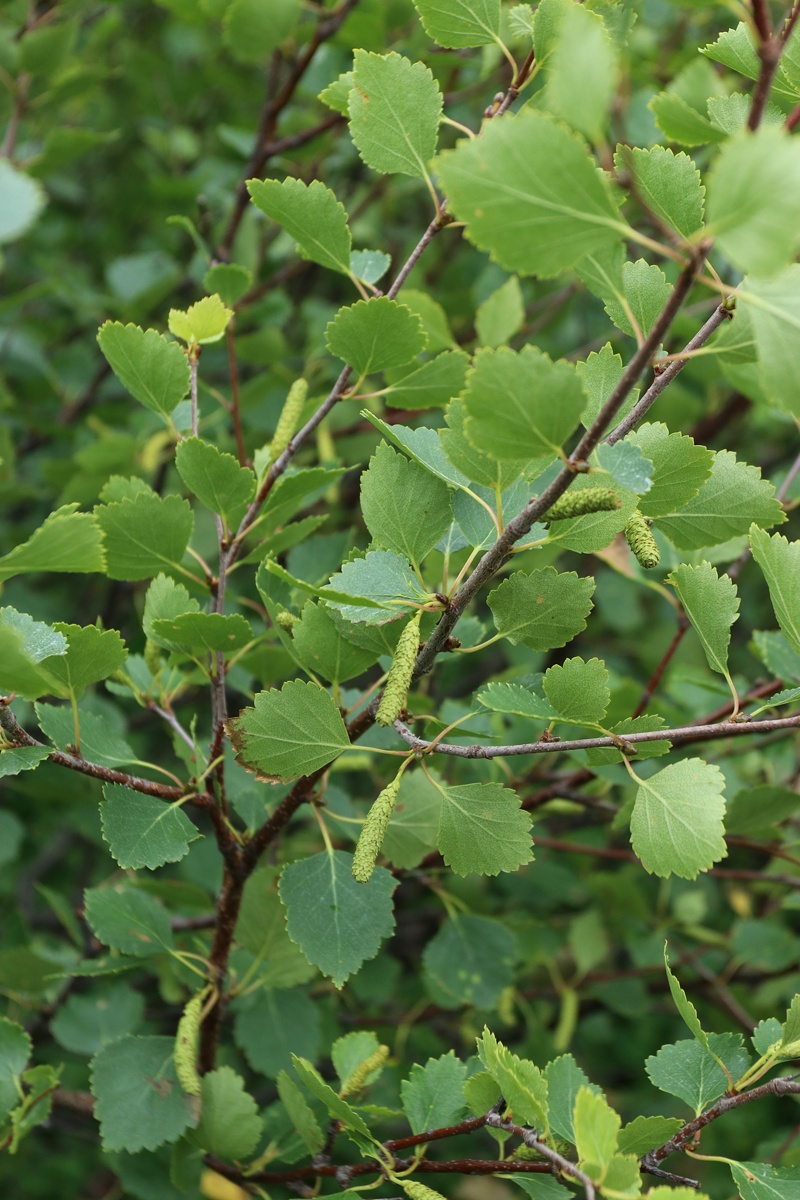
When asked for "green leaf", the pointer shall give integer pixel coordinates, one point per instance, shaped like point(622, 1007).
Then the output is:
point(411, 832)
point(627, 465)
point(599, 375)
point(374, 335)
point(711, 602)
point(580, 71)
point(733, 497)
point(395, 107)
point(681, 122)
point(469, 961)
point(100, 742)
point(423, 446)
point(154, 370)
point(145, 534)
point(261, 929)
point(645, 291)
point(667, 183)
point(471, 461)
point(752, 200)
point(457, 24)
point(203, 633)
point(790, 1033)
point(311, 214)
point(337, 1108)
point(139, 1103)
point(68, 541)
point(687, 1070)
point(676, 825)
point(432, 1094)
point(501, 315)
point(350, 1051)
point(337, 922)
point(685, 1007)
point(202, 323)
point(92, 655)
point(762, 1181)
point(369, 265)
point(229, 1124)
point(251, 30)
point(680, 468)
point(518, 700)
point(779, 560)
point(522, 1084)
point(142, 831)
point(564, 1080)
point(288, 733)
point(383, 578)
point(229, 280)
point(736, 49)
point(300, 1113)
point(646, 1133)
point(14, 759)
point(15, 1050)
point(21, 201)
point(596, 1129)
point(405, 508)
point(84, 1024)
point(530, 194)
point(521, 405)
point(37, 640)
point(323, 650)
point(129, 920)
point(483, 829)
point(276, 1024)
point(776, 654)
point(543, 610)
point(578, 690)
point(164, 601)
point(216, 479)
point(773, 308)
point(431, 385)
point(18, 671)
point(755, 812)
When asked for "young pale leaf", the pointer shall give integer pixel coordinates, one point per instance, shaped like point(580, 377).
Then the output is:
point(578, 690)
point(15, 1050)
point(752, 200)
point(596, 1129)
point(406, 509)
point(645, 291)
point(374, 335)
point(92, 654)
point(501, 315)
point(432, 385)
point(288, 733)
point(154, 371)
point(142, 831)
point(530, 194)
point(711, 602)
point(337, 922)
point(687, 1070)
point(773, 306)
point(680, 468)
point(667, 183)
point(139, 1102)
point(457, 24)
point(676, 825)
point(68, 541)
point(203, 633)
point(145, 534)
point(229, 1123)
point(469, 961)
point(483, 829)
point(252, 30)
point(395, 107)
point(580, 72)
point(311, 214)
point(202, 323)
point(324, 650)
point(762, 1181)
point(543, 610)
point(432, 1094)
point(521, 405)
point(300, 1113)
point(733, 497)
point(627, 465)
point(129, 920)
point(522, 1084)
point(216, 479)
point(779, 560)
point(164, 601)
point(369, 265)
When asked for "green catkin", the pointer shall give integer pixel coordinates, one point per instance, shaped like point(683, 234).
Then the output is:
point(286, 619)
point(398, 680)
point(641, 541)
point(187, 1040)
point(152, 656)
point(373, 831)
point(364, 1070)
point(419, 1191)
point(578, 504)
point(287, 421)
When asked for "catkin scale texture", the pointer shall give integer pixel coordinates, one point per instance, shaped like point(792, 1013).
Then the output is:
point(373, 831)
point(186, 1043)
point(642, 542)
point(290, 415)
point(398, 680)
point(579, 503)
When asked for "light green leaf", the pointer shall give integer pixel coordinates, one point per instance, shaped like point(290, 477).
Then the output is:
point(521, 405)
point(580, 71)
point(599, 375)
point(501, 315)
point(594, 530)
point(530, 194)
point(544, 609)
point(229, 1123)
point(300, 1113)
point(154, 371)
point(645, 292)
point(681, 122)
point(483, 829)
point(469, 961)
point(405, 508)
point(646, 1133)
point(752, 200)
point(432, 1094)
point(21, 200)
point(627, 465)
point(711, 602)
point(288, 733)
point(432, 385)
point(129, 920)
point(68, 541)
point(202, 323)
point(790, 1033)
point(216, 479)
point(736, 49)
point(18, 671)
point(578, 690)
point(394, 107)
point(164, 601)
point(337, 94)
point(518, 700)
point(203, 633)
point(667, 183)
point(92, 654)
point(311, 214)
point(762, 1181)
point(733, 496)
point(680, 468)
point(323, 650)
point(423, 445)
point(755, 812)
point(676, 825)
point(139, 1103)
point(252, 30)
point(382, 577)
point(470, 461)
point(15, 1050)
point(457, 24)
point(685, 1007)
point(779, 560)
point(773, 308)
point(596, 1129)
point(687, 1070)
point(350, 1051)
point(374, 335)
point(145, 534)
point(37, 640)
point(522, 1084)
point(142, 831)
point(369, 265)
point(412, 829)
point(337, 922)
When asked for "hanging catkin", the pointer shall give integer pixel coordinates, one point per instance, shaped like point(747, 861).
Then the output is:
point(641, 541)
point(419, 1191)
point(287, 421)
point(578, 504)
point(399, 678)
point(373, 831)
point(186, 1043)
point(364, 1070)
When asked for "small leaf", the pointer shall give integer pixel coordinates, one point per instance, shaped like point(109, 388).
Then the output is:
point(337, 1108)
point(289, 733)
point(626, 463)
point(596, 1129)
point(311, 214)
point(142, 831)
point(216, 479)
point(667, 183)
point(687, 1070)
point(229, 1124)
point(203, 633)
point(145, 534)
point(395, 107)
point(685, 1006)
point(405, 508)
point(92, 654)
point(676, 824)
point(580, 71)
point(229, 280)
point(21, 200)
point(645, 291)
point(432, 385)
point(578, 690)
point(501, 315)
point(154, 370)
point(300, 1113)
point(68, 541)
point(457, 24)
point(14, 759)
point(374, 335)
point(15, 1050)
point(369, 265)
point(518, 700)
point(383, 578)
point(543, 610)
point(432, 1094)
point(733, 497)
point(522, 1084)
point(711, 602)
point(139, 1102)
point(252, 30)
point(564, 1080)
point(779, 560)
point(646, 1133)
point(202, 323)
point(129, 920)
point(483, 829)
point(680, 468)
